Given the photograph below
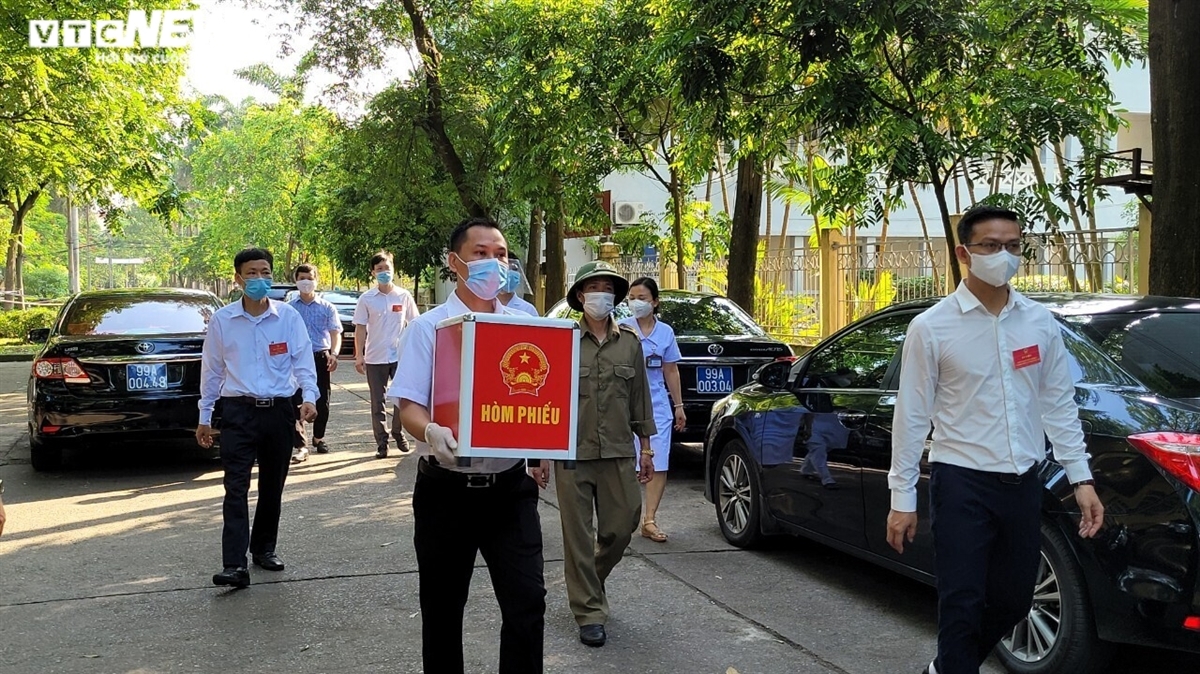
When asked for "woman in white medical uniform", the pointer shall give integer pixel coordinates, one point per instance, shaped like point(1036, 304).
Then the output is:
point(662, 357)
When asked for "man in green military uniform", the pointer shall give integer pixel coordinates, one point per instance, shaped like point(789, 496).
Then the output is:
point(614, 406)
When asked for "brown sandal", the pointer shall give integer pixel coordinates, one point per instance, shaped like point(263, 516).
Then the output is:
point(650, 530)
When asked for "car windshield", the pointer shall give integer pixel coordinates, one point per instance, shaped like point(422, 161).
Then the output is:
point(138, 316)
point(1158, 349)
point(698, 315)
point(338, 297)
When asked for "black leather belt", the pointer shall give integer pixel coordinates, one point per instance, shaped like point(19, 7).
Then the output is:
point(469, 480)
point(257, 402)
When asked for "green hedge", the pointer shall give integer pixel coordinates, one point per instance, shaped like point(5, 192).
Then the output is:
point(17, 323)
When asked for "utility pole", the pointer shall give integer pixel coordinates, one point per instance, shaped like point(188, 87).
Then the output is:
point(72, 247)
point(87, 244)
point(110, 261)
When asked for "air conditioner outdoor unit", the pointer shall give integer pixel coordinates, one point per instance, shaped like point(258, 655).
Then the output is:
point(627, 212)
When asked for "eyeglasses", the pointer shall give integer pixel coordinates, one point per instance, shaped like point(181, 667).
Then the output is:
point(991, 247)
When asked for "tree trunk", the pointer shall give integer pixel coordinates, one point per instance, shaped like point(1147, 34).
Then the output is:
point(556, 257)
point(287, 259)
point(743, 239)
point(925, 232)
point(14, 260)
point(970, 184)
point(783, 231)
point(1174, 108)
point(533, 257)
point(677, 229)
point(938, 182)
point(1089, 248)
point(724, 187)
point(433, 122)
point(1044, 194)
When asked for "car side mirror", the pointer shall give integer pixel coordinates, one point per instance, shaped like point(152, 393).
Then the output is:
point(774, 375)
point(38, 335)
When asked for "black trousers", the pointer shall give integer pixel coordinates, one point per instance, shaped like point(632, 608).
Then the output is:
point(987, 542)
point(249, 433)
point(321, 361)
point(453, 522)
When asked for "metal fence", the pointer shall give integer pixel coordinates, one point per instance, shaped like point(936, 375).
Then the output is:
point(871, 275)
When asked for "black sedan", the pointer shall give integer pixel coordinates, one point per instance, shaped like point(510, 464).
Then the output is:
point(1136, 362)
point(721, 346)
point(344, 301)
point(117, 363)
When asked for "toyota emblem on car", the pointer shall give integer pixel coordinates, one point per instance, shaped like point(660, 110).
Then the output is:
point(716, 349)
point(144, 347)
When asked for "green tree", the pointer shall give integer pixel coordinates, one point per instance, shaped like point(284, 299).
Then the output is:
point(100, 127)
point(254, 184)
point(385, 188)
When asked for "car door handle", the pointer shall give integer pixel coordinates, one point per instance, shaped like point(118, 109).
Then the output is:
point(852, 418)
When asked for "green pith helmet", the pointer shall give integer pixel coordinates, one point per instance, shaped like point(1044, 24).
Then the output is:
point(592, 270)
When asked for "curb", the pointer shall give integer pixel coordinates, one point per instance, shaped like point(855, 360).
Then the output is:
point(16, 357)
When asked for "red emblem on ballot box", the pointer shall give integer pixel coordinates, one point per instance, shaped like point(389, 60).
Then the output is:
point(507, 385)
point(524, 366)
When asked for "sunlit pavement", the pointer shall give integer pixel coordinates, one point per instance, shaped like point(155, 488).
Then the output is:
point(106, 566)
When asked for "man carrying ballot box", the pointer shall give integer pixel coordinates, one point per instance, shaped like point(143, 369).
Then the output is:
point(614, 407)
point(488, 507)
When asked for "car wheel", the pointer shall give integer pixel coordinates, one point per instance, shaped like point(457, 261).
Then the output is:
point(737, 491)
point(1058, 635)
point(45, 454)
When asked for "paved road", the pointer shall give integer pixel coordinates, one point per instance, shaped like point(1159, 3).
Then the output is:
point(105, 568)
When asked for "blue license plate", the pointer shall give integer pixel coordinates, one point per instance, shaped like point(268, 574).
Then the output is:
point(146, 377)
point(714, 379)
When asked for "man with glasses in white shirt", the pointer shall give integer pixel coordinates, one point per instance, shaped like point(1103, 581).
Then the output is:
point(988, 368)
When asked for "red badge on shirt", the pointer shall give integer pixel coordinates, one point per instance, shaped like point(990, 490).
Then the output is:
point(396, 308)
point(278, 349)
point(1030, 355)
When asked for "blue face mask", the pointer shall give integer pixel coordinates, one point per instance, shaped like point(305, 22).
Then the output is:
point(486, 278)
point(513, 282)
point(256, 288)
point(384, 277)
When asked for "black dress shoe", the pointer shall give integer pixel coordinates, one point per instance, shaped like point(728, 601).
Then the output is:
point(592, 635)
point(381, 453)
point(236, 576)
point(269, 561)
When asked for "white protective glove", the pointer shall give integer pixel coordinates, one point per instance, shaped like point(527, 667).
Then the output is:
point(441, 441)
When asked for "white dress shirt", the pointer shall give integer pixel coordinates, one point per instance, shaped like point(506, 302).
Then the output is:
point(264, 356)
point(521, 306)
point(994, 388)
point(414, 381)
point(385, 316)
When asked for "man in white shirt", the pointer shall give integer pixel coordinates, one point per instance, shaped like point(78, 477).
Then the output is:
point(256, 355)
point(382, 313)
point(988, 368)
point(488, 507)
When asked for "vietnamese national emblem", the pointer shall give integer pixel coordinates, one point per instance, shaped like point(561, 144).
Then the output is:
point(524, 368)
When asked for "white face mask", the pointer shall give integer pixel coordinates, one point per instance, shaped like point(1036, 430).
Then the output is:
point(306, 286)
point(996, 269)
point(640, 308)
point(598, 306)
